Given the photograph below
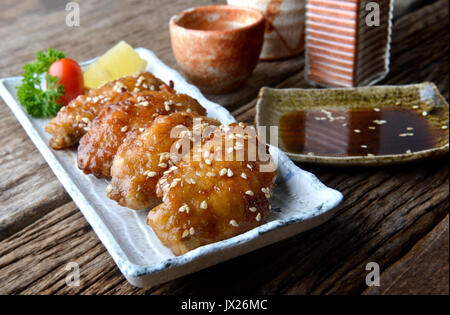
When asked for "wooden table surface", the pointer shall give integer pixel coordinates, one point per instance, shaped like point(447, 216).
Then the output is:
point(395, 216)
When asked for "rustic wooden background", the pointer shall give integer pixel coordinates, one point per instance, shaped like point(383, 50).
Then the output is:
point(395, 216)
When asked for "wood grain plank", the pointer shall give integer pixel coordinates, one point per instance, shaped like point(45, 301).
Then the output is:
point(395, 216)
point(427, 259)
point(28, 188)
point(385, 213)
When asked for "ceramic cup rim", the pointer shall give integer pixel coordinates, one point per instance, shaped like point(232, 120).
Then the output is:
point(217, 8)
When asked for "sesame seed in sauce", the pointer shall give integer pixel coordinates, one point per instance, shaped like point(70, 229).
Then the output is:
point(253, 209)
point(230, 173)
point(162, 165)
point(184, 208)
point(244, 176)
point(250, 193)
point(424, 113)
point(211, 174)
point(152, 174)
point(357, 130)
point(204, 205)
point(185, 234)
point(364, 146)
point(223, 172)
point(234, 223)
point(208, 162)
point(258, 217)
point(124, 129)
point(192, 231)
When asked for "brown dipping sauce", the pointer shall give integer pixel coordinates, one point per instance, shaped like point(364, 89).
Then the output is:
point(357, 132)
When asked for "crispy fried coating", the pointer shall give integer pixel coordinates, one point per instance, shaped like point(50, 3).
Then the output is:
point(74, 120)
point(216, 192)
point(129, 118)
point(140, 162)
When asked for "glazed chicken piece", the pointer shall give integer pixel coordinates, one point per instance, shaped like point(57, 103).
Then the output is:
point(140, 162)
point(220, 190)
point(74, 120)
point(129, 117)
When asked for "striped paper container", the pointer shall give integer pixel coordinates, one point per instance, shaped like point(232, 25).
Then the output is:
point(345, 46)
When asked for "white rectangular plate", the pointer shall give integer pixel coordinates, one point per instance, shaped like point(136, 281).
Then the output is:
point(300, 200)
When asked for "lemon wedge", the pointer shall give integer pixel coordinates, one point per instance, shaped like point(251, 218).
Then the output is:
point(121, 60)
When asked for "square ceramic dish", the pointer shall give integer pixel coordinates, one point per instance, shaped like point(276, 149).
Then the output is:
point(300, 200)
point(424, 98)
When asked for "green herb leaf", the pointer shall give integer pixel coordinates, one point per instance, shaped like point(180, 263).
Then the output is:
point(41, 103)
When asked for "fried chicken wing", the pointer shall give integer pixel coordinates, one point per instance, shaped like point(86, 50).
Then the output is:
point(129, 118)
point(216, 192)
point(140, 162)
point(73, 120)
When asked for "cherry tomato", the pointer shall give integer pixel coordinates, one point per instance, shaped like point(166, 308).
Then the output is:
point(70, 76)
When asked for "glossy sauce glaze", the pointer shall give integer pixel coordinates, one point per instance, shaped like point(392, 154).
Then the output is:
point(357, 132)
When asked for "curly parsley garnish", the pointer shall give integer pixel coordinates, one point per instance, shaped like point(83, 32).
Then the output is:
point(41, 103)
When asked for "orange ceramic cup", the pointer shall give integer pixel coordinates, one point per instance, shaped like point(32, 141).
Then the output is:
point(218, 46)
